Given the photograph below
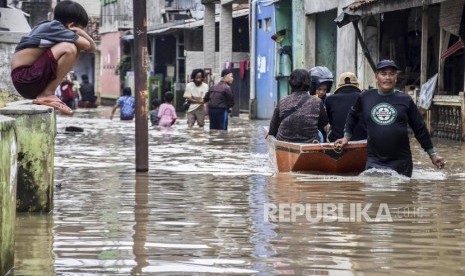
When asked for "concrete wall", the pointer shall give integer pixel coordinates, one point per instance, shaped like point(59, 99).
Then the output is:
point(8, 167)
point(314, 6)
point(8, 41)
point(347, 51)
point(92, 7)
point(35, 132)
point(110, 56)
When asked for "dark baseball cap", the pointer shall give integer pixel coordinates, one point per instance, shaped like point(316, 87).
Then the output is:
point(386, 63)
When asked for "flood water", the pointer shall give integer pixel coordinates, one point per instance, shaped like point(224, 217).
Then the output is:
point(204, 208)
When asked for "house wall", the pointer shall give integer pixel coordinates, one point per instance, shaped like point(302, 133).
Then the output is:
point(110, 56)
point(315, 6)
point(346, 48)
point(92, 7)
point(116, 16)
point(155, 9)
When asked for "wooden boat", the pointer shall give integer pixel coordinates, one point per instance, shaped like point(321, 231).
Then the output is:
point(318, 157)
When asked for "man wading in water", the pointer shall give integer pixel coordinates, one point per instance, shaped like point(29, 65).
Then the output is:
point(386, 113)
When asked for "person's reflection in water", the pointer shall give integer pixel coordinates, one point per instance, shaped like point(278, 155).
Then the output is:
point(140, 227)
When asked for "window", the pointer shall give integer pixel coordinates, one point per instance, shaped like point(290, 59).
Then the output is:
point(267, 24)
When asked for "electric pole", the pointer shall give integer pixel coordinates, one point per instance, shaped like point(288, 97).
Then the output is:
point(140, 83)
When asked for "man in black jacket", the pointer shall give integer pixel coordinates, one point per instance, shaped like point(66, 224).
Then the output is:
point(387, 114)
point(338, 106)
point(220, 99)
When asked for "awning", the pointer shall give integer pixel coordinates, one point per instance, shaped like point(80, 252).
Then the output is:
point(364, 8)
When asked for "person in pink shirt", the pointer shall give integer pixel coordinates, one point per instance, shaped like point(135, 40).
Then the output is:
point(167, 113)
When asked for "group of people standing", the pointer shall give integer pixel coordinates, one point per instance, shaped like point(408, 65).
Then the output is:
point(216, 101)
point(381, 116)
point(75, 94)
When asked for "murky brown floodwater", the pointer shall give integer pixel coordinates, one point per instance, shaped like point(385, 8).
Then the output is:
point(201, 210)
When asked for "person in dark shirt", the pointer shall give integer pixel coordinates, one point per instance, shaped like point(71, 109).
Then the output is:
point(338, 106)
point(298, 116)
point(220, 99)
point(386, 113)
point(87, 91)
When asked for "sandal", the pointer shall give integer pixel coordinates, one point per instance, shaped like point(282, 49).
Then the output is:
point(55, 103)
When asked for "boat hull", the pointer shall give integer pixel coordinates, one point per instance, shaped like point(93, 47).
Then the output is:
point(321, 157)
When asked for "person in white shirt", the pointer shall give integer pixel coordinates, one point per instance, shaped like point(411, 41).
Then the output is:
point(194, 93)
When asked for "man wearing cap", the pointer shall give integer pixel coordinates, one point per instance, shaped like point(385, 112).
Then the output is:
point(220, 99)
point(338, 106)
point(387, 113)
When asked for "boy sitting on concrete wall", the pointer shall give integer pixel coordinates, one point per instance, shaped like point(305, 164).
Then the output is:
point(44, 56)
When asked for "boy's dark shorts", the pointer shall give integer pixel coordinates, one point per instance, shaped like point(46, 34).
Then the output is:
point(31, 80)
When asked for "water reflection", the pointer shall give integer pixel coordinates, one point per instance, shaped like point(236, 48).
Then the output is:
point(201, 209)
point(141, 214)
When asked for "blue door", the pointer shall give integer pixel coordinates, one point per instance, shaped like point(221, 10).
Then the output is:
point(266, 85)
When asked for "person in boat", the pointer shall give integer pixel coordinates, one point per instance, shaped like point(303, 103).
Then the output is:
point(298, 116)
point(387, 112)
point(322, 81)
point(338, 105)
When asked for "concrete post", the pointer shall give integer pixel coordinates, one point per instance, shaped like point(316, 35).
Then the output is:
point(209, 37)
point(298, 30)
point(226, 24)
point(35, 131)
point(8, 167)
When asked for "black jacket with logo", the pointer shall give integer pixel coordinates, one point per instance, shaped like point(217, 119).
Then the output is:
point(386, 117)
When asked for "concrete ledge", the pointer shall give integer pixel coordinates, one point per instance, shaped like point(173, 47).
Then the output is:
point(35, 131)
point(8, 168)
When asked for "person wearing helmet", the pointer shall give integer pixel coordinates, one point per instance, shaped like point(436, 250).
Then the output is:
point(298, 116)
point(322, 81)
point(338, 106)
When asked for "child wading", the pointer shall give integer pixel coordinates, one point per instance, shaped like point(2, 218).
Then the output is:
point(44, 56)
point(167, 113)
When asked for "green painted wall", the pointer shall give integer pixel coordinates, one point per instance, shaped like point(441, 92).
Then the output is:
point(326, 40)
point(8, 168)
point(298, 29)
point(35, 130)
point(283, 19)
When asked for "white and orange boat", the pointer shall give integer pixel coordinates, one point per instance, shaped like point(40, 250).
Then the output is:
point(318, 157)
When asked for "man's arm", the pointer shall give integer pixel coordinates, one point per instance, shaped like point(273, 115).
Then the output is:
point(422, 135)
point(351, 121)
point(274, 123)
point(229, 97)
point(188, 95)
